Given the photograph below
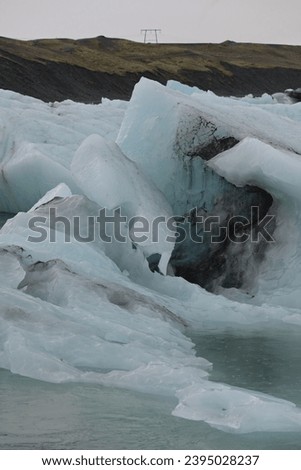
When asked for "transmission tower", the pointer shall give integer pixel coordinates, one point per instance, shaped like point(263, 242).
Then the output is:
point(151, 35)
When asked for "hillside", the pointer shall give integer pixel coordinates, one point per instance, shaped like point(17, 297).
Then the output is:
point(89, 69)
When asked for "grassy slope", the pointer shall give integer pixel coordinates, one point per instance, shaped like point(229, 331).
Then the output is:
point(121, 57)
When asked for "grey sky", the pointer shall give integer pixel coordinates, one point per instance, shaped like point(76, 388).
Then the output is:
point(269, 21)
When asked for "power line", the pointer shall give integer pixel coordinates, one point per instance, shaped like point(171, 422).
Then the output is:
point(151, 32)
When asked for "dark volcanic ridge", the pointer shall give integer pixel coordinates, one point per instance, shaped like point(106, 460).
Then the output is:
point(88, 69)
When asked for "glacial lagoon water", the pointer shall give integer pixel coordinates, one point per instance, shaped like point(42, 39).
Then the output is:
point(39, 415)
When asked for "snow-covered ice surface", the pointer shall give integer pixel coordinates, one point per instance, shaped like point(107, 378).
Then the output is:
point(79, 309)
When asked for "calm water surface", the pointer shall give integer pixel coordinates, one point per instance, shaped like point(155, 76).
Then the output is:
point(38, 415)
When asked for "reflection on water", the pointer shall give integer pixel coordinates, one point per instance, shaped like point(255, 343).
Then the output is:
point(37, 415)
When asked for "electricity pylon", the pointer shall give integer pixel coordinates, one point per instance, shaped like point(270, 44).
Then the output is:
point(152, 32)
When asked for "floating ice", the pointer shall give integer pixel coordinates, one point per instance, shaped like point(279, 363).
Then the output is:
point(38, 141)
point(60, 191)
point(279, 172)
point(163, 129)
point(75, 308)
point(239, 411)
point(109, 178)
point(178, 127)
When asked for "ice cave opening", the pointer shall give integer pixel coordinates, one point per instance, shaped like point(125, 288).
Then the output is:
point(222, 247)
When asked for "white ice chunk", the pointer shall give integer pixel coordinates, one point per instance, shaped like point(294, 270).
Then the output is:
point(27, 176)
point(168, 128)
point(236, 410)
point(87, 311)
point(109, 178)
point(257, 163)
point(38, 141)
point(160, 129)
point(61, 191)
point(278, 172)
point(11, 272)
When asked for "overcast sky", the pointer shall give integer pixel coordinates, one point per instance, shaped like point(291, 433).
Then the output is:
point(268, 21)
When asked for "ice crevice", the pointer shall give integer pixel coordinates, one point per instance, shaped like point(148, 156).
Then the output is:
point(93, 311)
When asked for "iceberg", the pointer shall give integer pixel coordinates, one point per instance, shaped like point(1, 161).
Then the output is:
point(38, 141)
point(60, 191)
point(77, 308)
point(237, 411)
point(112, 180)
point(278, 171)
point(163, 129)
